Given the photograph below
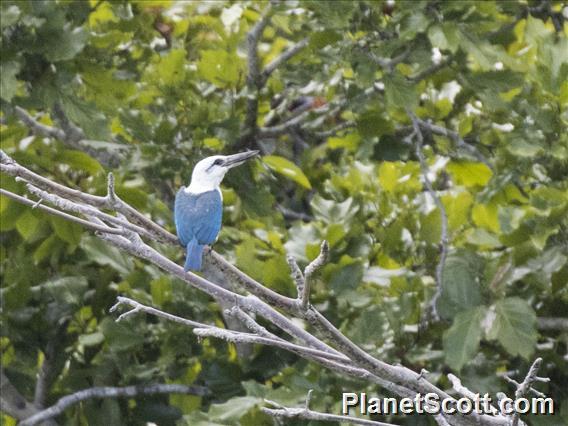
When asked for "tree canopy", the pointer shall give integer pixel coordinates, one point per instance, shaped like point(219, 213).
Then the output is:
point(425, 141)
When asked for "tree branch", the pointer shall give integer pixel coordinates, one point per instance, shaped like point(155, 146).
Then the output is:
point(310, 270)
point(110, 392)
point(254, 81)
point(434, 68)
point(526, 385)
point(283, 57)
point(548, 323)
point(308, 414)
point(347, 358)
point(444, 238)
point(37, 205)
point(37, 127)
point(13, 403)
point(456, 138)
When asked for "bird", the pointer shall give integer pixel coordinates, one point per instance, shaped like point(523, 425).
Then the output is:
point(198, 208)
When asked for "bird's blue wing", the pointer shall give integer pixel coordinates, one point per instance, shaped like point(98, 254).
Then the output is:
point(198, 216)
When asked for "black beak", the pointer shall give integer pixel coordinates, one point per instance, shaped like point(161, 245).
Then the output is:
point(238, 159)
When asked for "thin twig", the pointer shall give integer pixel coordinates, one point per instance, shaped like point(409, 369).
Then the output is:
point(55, 212)
point(444, 238)
point(526, 385)
point(110, 392)
point(307, 414)
point(434, 68)
point(283, 57)
point(310, 270)
point(457, 139)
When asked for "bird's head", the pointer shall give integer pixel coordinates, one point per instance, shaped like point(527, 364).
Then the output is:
point(209, 172)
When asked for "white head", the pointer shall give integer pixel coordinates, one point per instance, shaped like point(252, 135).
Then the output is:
point(209, 172)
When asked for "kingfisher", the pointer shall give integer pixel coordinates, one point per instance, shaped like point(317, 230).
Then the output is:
point(198, 208)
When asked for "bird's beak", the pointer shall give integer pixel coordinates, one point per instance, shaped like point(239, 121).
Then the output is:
point(238, 159)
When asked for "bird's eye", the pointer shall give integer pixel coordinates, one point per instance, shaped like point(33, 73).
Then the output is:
point(218, 162)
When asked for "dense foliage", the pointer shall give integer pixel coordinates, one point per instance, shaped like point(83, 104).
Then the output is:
point(157, 85)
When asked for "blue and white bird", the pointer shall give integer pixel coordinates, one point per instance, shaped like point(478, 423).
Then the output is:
point(198, 208)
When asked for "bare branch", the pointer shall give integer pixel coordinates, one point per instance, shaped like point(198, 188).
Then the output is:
point(83, 222)
point(50, 368)
point(526, 385)
point(307, 414)
point(333, 131)
point(310, 270)
point(434, 68)
point(462, 390)
point(283, 57)
point(444, 238)
point(238, 337)
point(297, 276)
point(281, 129)
point(254, 83)
point(13, 403)
point(457, 139)
point(37, 127)
point(389, 64)
point(548, 323)
point(138, 307)
point(110, 392)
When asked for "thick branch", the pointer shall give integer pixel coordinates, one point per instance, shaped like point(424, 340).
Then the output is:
point(110, 392)
point(13, 403)
point(254, 83)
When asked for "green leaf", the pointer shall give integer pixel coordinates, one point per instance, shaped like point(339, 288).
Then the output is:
point(345, 277)
point(66, 230)
point(461, 340)
point(320, 39)
point(86, 116)
point(104, 254)
point(46, 248)
point(461, 289)
point(349, 142)
point(10, 16)
point(232, 410)
point(220, 67)
point(121, 336)
point(514, 326)
point(27, 225)
point(67, 290)
point(80, 161)
point(161, 289)
point(334, 212)
point(468, 173)
point(288, 169)
point(65, 44)
point(92, 339)
point(170, 68)
point(522, 148)
point(399, 92)
point(9, 82)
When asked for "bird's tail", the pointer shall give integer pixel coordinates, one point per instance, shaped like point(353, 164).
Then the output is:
point(194, 254)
